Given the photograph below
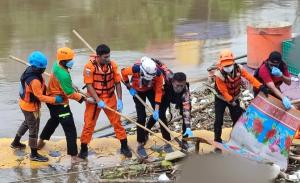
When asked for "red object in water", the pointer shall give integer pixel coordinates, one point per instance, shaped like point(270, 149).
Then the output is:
point(262, 39)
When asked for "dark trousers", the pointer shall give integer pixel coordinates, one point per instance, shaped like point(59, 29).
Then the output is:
point(235, 113)
point(31, 123)
point(164, 105)
point(141, 113)
point(63, 115)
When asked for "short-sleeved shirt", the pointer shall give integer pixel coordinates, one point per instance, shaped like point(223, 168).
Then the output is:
point(266, 76)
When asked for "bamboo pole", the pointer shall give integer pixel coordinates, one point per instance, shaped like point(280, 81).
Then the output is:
point(141, 126)
point(149, 108)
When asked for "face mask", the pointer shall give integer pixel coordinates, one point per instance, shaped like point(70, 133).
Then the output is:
point(70, 64)
point(228, 69)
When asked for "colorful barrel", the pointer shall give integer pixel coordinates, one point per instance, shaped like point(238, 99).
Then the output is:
point(265, 38)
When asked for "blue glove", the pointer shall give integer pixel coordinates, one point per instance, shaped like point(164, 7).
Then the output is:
point(155, 115)
point(188, 132)
point(287, 103)
point(276, 72)
point(132, 91)
point(119, 105)
point(101, 104)
point(58, 99)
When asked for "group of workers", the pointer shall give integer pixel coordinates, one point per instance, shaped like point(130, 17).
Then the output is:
point(148, 78)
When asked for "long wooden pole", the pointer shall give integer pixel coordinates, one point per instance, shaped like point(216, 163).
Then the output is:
point(46, 73)
point(84, 41)
point(149, 108)
point(141, 126)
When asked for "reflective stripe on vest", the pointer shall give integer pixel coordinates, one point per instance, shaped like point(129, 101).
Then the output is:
point(104, 82)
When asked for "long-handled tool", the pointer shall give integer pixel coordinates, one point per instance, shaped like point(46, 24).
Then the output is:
point(141, 126)
point(147, 107)
point(46, 73)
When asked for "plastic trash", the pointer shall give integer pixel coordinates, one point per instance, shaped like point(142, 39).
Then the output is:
point(163, 177)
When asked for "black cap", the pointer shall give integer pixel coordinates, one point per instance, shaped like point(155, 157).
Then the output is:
point(275, 57)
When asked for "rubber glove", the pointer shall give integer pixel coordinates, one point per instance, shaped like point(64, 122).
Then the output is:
point(155, 115)
point(276, 72)
point(132, 91)
point(119, 105)
point(287, 103)
point(188, 132)
point(58, 99)
point(101, 104)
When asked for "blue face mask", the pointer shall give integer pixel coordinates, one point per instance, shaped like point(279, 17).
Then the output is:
point(70, 64)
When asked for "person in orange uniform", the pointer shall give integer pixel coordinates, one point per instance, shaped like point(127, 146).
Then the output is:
point(228, 81)
point(102, 78)
point(60, 83)
point(147, 82)
point(32, 93)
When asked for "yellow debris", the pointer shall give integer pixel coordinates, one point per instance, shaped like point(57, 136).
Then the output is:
point(106, 150)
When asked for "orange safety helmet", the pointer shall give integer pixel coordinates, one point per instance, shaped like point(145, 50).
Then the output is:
point(226, 58)
point(65, 53)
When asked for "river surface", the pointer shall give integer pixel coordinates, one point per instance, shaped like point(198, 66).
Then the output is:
point(186, 35)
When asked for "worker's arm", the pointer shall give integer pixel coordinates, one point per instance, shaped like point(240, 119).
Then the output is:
point(88, 78)
point(36, 88)
point(158, 85)
point(92, 92)
point(286, 76)
point(220, 84)
point(126, 72)
point(67, 87)
point(274, 89)
point(287, 80)
point(252, 80)
point(186, 107)
point(117, 79)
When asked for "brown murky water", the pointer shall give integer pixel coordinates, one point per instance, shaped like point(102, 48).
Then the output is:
point(187, 35)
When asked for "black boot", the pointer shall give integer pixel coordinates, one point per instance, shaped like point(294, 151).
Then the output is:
point(35, 156)
point(124, 149)
point(16, 144)
point(83, 154)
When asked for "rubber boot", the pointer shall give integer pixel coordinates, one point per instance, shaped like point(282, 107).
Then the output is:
point(124, 149)
point(83, 154)
point(16, 144)
point(35, 156)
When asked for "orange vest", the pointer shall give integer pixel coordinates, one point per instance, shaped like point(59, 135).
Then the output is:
point(233, 83)
point(104, 83)
point(25, 92)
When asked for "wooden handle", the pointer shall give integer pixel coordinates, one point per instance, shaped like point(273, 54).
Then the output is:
point(151, 110)
point(141, 126)
point(295, 101)
point(84, 41)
